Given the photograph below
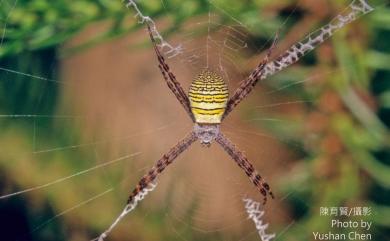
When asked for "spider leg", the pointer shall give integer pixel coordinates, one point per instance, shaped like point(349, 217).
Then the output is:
point(247, 85)
point(265, 69)
point(170, 78)
point(243, 162)
point(161, 164)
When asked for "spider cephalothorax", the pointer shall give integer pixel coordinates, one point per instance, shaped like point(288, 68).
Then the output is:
point(206, 133)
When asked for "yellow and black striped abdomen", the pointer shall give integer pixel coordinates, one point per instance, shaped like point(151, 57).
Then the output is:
point(208, 96)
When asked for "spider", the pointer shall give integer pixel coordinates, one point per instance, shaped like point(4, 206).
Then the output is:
point(208, 103)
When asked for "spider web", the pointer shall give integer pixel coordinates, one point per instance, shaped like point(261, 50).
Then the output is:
point(220, 42)
point(126, 119)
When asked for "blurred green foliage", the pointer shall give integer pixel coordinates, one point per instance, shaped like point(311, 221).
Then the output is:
point(33, 25)
point(350, 151)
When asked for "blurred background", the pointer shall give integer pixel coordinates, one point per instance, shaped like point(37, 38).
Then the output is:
point(81, 96)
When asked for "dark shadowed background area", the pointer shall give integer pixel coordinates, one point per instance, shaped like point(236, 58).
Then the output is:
point(85, 112)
